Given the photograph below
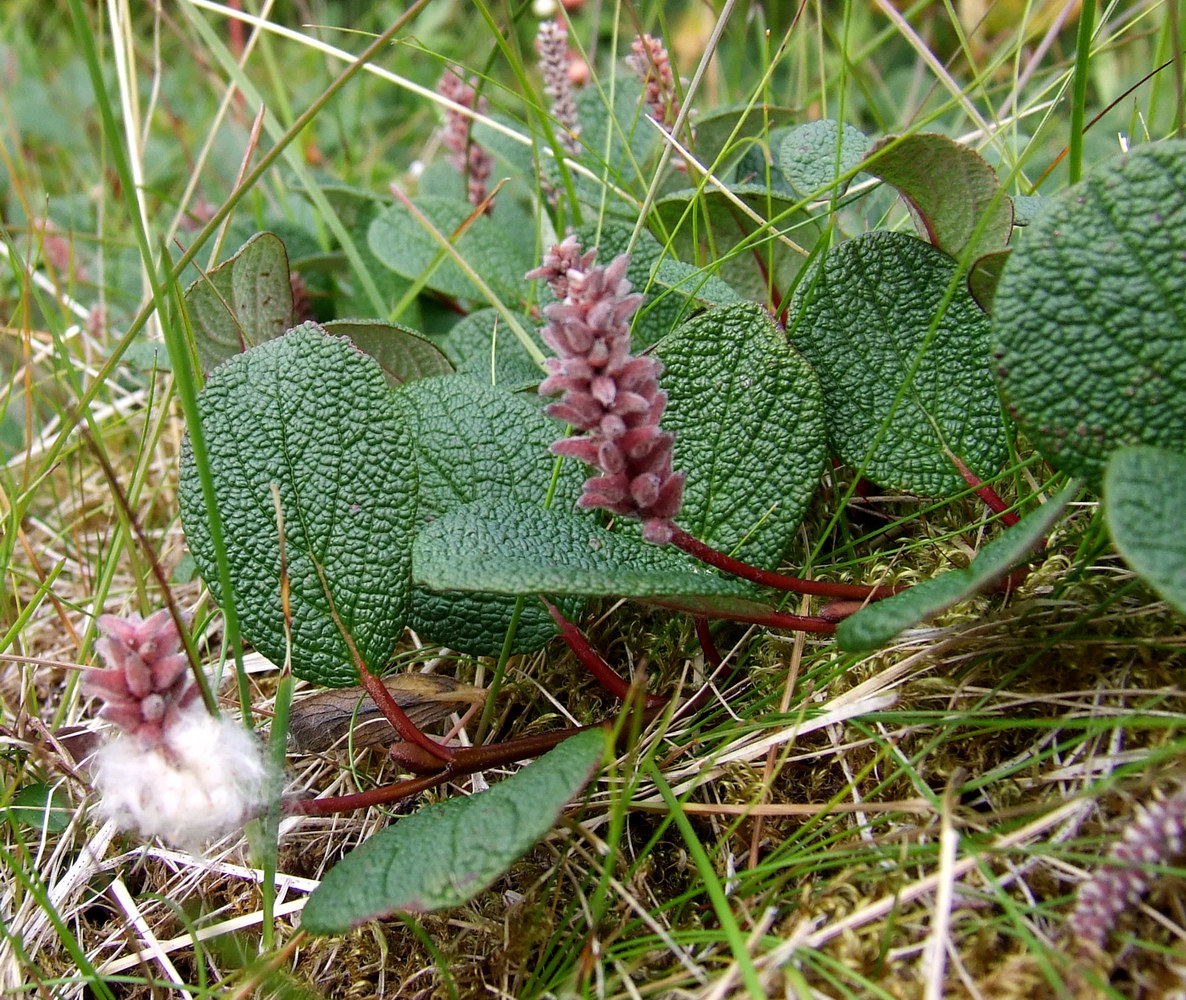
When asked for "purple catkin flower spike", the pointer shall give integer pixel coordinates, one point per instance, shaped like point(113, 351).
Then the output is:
point(146, 685)
point(607, 393)
point(471, 159)
point(1157, 836)
point(650, 61)
point(552, 45)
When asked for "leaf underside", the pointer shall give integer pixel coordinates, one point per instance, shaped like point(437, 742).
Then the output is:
point(447, 853)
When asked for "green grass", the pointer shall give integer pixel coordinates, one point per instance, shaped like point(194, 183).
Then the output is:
point(786, 840)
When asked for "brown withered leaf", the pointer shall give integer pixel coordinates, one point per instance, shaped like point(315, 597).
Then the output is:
point(323, 720)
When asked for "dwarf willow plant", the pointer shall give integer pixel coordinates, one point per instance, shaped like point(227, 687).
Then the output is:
point(417, 474)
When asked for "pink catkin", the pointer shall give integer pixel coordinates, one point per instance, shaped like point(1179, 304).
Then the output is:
point(470, 158)
point(552, 45)
point(1156, 836)
point(146, 685)
point(607, 393)
point(650, 61)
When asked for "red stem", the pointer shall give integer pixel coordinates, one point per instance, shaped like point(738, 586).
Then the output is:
point(711, 653)
point(361, 800)
point(780, 581)
point(398, 718)
point(606, 676)
point(991, 498)
point(466, 760)
point(779, 619)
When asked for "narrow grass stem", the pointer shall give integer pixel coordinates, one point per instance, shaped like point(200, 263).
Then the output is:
point(780, 581)
point(1079, 90)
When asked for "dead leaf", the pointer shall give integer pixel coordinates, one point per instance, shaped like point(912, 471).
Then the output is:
point(324, 720)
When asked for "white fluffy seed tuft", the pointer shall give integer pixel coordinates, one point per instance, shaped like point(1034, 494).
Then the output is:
point(206, 779)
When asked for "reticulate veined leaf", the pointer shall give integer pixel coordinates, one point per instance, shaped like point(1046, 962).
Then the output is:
point(879, 623)
point(663, 307)
point(315, 416)
point(473, 441)
point(808, 155)
point(484, 346)
point(708, 225)
point(748, 418)
point(616, 141)
point(403, 354)
point(499, 256)
point(721, 135)
point(516, 548)
point(901, 350)
point(1089, 325)
point(447, 853)
point(1145, 506)
point(954, 196)
point(243, 302)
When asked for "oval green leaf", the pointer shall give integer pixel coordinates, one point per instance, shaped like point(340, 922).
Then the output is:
point(954, 196)
point(482, 345)
point(1145, 507)
point(748, 418)
point(243, 302)
point(500, 256)
point(1090, 328)
point(815, 155)
point(503, 547)
point(474, 441)
point(708, 225)
point(447, 853)
point(402, 353)
point(315, 416)
point(901, 350)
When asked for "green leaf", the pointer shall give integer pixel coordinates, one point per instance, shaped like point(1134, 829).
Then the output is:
point(616, 140)
point(748, 418)
point(473, 442)
point(721, 135)
point(500, 256)
point(878, 623)
point(516, 548)
point(483, 346)
point(1145, 506)
point(42, 806)
point(954, 196)
point(243, 302)
point(808, 157)
point(447, 853)
point(315, 416)
point(707, 225)
point(902, 354)
point(1089, 324)
point(985, 276)
point(755, 167)
point(403, 354)
point(663, 308)
point(703, 287)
